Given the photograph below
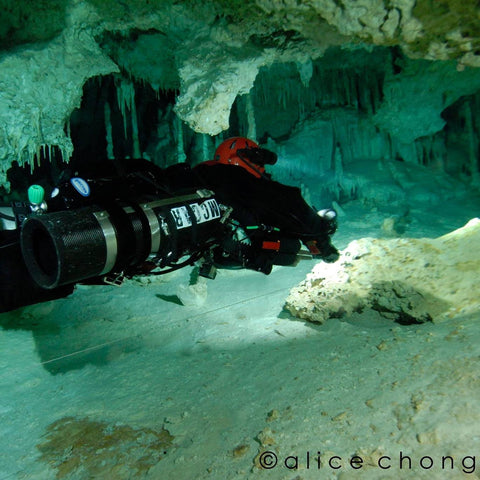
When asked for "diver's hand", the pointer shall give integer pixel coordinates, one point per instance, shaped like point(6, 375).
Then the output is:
point(323, 250)
point(328, 253)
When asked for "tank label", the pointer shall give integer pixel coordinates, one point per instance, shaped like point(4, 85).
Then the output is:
point(204, 212)
point(81, 186)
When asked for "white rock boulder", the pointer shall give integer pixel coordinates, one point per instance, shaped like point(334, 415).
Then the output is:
point(404, 279)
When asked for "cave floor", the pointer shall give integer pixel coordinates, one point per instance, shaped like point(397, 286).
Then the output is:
point(129, 383)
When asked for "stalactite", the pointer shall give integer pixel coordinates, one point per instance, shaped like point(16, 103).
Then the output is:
point(472, 145)
point(66, 150)
point(51, 152)
point(439, 151)
point(354, 89)
point(340, 94)
point(205, 147)
point(370, 95)
point(181, 157)
point(135, 138)
point(126, 103)
point(250, 114)
point(305, 71)
point(338, 163)
point(125, 99)
point(346, 87)
point(108, 129)
point(360, 91)
point(375, 95)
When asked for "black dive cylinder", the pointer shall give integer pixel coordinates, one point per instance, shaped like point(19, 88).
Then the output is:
point(73, 245)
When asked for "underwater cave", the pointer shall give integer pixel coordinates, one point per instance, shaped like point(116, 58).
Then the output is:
point(166, 313)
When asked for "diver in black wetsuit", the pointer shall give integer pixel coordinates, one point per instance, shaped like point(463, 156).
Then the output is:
point(147, 217)
point(258, 200)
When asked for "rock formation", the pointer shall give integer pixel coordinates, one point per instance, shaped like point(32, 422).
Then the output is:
point(211, 52)
point(404, 279)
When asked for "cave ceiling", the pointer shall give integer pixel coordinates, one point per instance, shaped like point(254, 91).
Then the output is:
point(210, 52)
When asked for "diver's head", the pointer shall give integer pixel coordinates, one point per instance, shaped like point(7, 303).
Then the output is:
point(245, 153)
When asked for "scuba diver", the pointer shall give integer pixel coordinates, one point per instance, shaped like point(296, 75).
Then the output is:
point(104, 226)
point(274, 217)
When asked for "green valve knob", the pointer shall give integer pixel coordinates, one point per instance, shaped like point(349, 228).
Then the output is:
point(36, 194)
